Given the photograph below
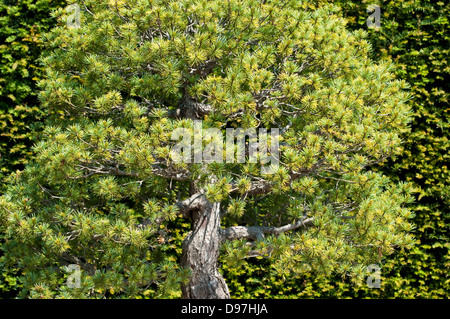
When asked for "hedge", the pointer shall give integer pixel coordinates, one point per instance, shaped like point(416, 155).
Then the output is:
point(21, 25)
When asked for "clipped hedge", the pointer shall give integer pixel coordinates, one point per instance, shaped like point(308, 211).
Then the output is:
point(21, 25)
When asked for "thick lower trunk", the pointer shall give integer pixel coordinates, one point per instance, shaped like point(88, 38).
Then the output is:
point(201, 253)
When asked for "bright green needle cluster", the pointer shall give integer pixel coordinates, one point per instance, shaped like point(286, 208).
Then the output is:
point(103, 188)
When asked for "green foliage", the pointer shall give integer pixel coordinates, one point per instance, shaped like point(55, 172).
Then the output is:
point(414, 34)
point(102, 189)
point(21, 26)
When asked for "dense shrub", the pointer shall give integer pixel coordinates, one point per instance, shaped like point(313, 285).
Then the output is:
point(21, 26)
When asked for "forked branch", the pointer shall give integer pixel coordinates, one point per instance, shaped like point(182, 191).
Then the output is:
point(258, 232)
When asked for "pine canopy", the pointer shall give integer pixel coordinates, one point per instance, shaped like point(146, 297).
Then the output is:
point(104, 192)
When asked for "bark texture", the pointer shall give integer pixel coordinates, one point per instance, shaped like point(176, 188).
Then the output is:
point(201, 253)
point(202, 244)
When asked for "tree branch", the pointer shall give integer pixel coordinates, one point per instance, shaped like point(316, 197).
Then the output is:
point(189, 108)
point(258, 232)
point(260, 187)
point(166, 172)
point(195, 202)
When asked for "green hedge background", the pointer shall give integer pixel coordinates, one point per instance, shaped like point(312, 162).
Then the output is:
point(415, 34)
point(21, 24)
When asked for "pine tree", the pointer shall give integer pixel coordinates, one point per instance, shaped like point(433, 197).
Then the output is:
point(104, 188)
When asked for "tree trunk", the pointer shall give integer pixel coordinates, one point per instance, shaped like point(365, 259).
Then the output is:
point(201, 253)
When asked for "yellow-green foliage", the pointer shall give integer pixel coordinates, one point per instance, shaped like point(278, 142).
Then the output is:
point(102, 188)
point(416, 36)
point(21, 26)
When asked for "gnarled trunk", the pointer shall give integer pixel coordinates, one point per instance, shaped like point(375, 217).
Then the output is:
point(201, 253)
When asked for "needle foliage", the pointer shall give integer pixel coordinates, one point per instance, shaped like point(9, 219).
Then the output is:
point(102, 190)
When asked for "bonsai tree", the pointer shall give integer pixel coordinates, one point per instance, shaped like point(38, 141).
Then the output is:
point(305, 113)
